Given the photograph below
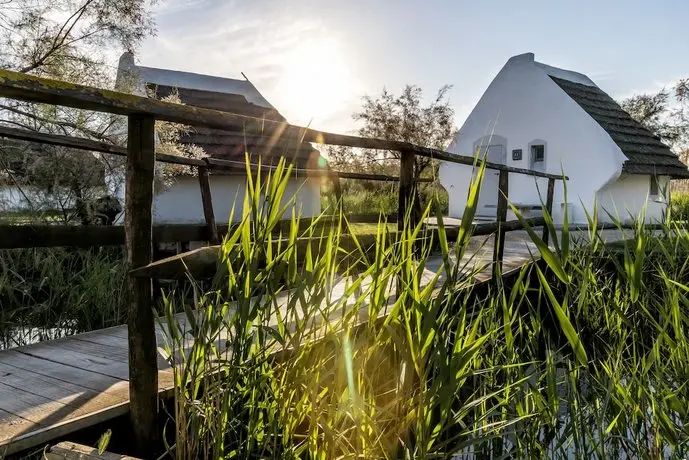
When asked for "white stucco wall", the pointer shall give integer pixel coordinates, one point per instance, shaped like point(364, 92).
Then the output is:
point(628, 195)
point(13, 199)
point(523, 104)
point(181, 203)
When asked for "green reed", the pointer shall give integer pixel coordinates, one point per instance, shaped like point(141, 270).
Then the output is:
point(321, 343)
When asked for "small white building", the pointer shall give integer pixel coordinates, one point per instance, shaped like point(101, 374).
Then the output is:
point(181, 202)
point(538, 117)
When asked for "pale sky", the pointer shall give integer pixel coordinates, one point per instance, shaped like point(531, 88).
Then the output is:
point(313, 60)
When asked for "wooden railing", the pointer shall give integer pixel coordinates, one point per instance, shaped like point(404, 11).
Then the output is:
point(138, 234)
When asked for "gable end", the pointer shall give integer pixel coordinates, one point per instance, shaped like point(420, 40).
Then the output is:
point(645, 153)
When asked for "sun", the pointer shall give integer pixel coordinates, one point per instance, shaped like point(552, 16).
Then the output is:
point(316, 81)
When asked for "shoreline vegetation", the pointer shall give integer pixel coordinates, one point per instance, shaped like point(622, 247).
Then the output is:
point(583, 355)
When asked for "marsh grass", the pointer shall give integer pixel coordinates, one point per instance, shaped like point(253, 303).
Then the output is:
point(367, 197)
point(47, 293)
point(679, 206)
point(302, 355)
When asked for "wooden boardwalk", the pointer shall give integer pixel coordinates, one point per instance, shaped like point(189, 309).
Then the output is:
point(54, 388)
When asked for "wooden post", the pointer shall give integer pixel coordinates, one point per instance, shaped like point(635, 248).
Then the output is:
point(406, 192)
point(143, 367)
point(549, 207)
point(499, 249)
point(207, 201)
point(337, 191)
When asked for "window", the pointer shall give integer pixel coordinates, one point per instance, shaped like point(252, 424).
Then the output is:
point(538, 153)
point(654, 190)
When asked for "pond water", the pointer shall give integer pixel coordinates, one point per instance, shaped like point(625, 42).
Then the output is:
point(27, 335)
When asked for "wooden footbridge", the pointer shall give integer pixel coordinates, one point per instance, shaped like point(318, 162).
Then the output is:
point(51, 389)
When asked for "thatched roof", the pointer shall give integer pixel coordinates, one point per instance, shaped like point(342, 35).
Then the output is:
point(232, 146)
point(645, 153)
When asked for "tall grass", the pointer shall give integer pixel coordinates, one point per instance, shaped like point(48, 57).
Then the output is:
point(47, 293)
point(679, 206)
point(319, 351)
point(367, 197)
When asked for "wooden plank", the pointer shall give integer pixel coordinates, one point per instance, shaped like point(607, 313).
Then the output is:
point(471, 161)
point(79, 360)
point(11, 428)
point(26, 405)
point(143, 367)
point(549, 207)
point(30, 88)
point(79, 143)
point(200, 263)
point(48, 405)
point(94, 381)
point(52, 388)
point(71, 451)
point(406, 214)
point(51, 419)
point(499, 249)
point(375, 177)
point(111, 351)
point(207, 201)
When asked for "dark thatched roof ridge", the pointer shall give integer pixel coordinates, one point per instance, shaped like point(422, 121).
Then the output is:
point(646, 154)
point(232, 146)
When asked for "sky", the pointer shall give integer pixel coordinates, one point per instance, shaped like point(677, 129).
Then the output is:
point(314, 60)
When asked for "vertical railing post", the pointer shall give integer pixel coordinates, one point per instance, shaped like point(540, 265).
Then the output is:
point(405, 210)
point(143, 367)
point(337, 190)
point(549, 207)
point(207, 200)
point(499, 248)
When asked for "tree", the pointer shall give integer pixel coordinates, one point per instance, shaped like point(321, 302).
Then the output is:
point(69, 41)
point(664, 113)
point(401, 118)
point(405, 118)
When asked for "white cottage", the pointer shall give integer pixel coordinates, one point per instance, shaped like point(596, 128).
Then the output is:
point(539, 117)
point(181, 203)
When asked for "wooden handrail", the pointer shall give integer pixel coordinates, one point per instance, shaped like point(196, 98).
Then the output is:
point(230, 167)
point(142, 112)
point(36, 89)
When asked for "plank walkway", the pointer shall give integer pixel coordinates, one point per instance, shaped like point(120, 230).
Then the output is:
point(54, 388)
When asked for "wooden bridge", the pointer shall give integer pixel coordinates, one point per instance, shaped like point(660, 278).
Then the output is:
point(54, 388)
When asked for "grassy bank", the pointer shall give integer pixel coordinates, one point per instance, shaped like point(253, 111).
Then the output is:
point(583, 356)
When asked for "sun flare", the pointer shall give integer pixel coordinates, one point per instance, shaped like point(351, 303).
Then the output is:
point(316, 81)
